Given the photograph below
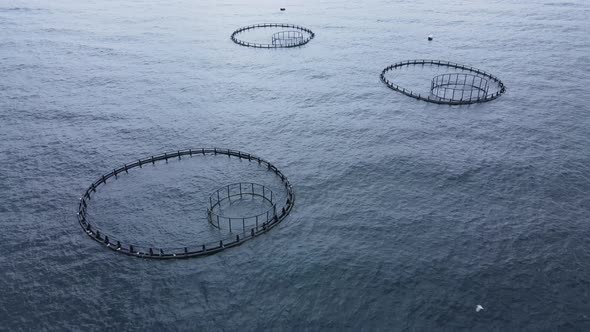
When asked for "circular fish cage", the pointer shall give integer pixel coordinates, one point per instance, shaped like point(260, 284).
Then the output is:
point(270, 208)
point(231, 206)
point(468, 85)
point(279, 37)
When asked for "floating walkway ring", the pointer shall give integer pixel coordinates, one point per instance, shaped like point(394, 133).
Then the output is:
point(225, 194)
point(283, 208)
point(435, 99)
point(274, 44)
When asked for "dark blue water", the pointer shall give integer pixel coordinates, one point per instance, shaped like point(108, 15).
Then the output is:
point(408, 214)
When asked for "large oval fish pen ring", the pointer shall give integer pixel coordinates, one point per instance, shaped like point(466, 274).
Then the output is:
point(292, 36)
point(468, 85)
point(277, 209)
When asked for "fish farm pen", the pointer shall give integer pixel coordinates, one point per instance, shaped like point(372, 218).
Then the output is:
point(468, 86)
point(248, 227)
point(294, 37)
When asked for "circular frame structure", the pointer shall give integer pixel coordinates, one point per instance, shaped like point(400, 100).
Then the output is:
point(447, 101)
point(459, 86)
point(283, 207)
point(299, 41)
point(241, 189)
point(288, 37)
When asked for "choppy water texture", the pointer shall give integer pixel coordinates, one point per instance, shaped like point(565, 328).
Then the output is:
point(408, 214)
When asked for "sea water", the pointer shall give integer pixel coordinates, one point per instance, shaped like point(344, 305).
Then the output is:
point(408, 214)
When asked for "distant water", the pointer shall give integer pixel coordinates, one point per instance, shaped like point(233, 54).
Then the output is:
point(408, 214)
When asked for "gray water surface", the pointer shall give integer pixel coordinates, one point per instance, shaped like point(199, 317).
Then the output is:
point(408, 214)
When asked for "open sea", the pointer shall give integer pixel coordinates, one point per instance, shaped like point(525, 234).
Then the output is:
point(408, 214)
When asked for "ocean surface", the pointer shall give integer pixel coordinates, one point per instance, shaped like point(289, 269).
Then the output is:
point(408, 214)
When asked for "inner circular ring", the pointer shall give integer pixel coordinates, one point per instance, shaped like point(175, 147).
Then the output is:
point(223, 197)
point(459, 87)
point(289, 37)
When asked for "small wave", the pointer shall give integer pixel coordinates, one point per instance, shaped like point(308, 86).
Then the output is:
point(561, 4)
point(19, 9)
